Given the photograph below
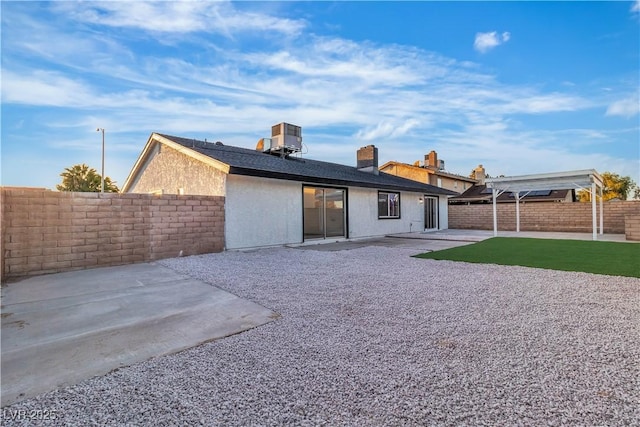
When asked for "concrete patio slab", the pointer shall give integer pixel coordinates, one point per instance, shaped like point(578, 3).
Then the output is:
point(409, 242)
point(429, 241)
point(479, 235)
point(60, 329)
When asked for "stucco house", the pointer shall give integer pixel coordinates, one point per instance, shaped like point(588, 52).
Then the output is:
point(431, 171)
point(274, 196)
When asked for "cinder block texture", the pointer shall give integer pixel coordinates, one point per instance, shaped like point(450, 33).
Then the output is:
point(46, 231)
point(632, 227)
point(542, 216)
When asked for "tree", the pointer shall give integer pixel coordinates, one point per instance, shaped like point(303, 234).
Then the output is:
point(613, 186)
point(84, 179)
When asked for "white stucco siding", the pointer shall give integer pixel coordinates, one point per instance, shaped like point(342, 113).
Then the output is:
point(443, 212)
point(363, 214)
point(262, 212)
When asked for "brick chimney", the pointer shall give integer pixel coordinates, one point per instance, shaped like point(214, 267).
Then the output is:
point(368, 159)
point(431, 160)
point(479, 174)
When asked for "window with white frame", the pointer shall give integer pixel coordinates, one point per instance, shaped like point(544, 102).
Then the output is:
point(388, 205)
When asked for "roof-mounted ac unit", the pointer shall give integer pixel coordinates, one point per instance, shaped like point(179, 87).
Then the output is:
point(287, 137)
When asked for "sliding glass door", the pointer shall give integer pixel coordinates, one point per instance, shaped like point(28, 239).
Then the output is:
point(430, 213)
point(324, 212)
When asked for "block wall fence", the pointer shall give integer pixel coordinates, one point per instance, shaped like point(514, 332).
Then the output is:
point(632, 227)
point(561, 217)
point(46, 231)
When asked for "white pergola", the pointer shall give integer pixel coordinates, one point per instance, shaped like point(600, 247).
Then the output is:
point(582, 179)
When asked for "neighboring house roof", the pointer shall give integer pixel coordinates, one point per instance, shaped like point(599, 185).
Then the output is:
point(429, 171)
point(244, 161)
point(480, 193)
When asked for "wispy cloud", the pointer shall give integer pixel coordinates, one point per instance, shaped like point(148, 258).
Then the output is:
point(484, 42)
point(180, 17)
point(627, 107)
point(44, 88)
point(387, 129)
point(343, 92)
point(372, 91)
point(635, 7)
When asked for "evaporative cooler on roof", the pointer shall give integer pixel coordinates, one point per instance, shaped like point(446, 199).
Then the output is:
point(285, 139)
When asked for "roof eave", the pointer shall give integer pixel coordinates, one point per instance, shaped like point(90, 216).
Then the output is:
point(234, 170)
point(136, 166)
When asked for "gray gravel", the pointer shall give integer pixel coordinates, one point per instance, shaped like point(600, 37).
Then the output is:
point(372, 337)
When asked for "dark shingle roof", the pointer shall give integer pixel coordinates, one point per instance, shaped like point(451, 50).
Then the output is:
point(244, 161)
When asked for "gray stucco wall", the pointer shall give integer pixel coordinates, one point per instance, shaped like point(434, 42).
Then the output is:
point(167, 170)
point(262, 212)
point(363, 214)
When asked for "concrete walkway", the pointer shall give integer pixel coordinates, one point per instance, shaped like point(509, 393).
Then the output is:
point(429, 241)
point(479, 235)
point(408, 241)
point(60, 329)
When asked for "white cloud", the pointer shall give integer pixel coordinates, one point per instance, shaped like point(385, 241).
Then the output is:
point(545, 103)
point(348, 60)
point(405, 100)
point(43, 88)
point(487, 41)
point(180, 17)
point(386, 129)
point(628, 107)
point(635, 7)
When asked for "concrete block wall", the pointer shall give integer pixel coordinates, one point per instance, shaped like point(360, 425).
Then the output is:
point(632, 227)
point(562, 217)
point(47, 231)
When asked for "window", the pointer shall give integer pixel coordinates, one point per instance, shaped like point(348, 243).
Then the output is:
point(388, 205)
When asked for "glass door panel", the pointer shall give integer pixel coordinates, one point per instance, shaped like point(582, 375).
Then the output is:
point(313, 213)
point(334, 212)
point(430, 213)
point(324, 213)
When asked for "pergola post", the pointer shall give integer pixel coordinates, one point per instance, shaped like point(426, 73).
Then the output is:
point(517, 194)
point(495, 213)
point(593, 211)
point(601, 210)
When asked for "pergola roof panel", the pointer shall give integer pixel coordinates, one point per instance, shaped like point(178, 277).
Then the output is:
point(547, 181)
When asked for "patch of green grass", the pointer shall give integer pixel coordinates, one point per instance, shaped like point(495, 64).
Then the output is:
point(611, 258)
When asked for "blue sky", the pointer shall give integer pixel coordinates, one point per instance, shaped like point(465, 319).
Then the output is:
point(520, 87)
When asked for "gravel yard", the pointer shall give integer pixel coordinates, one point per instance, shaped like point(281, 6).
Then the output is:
point(372, 337)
